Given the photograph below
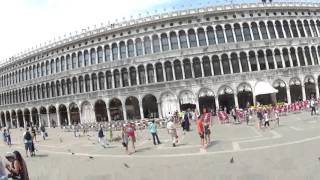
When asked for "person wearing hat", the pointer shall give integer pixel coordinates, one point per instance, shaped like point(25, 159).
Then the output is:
point(17, 167)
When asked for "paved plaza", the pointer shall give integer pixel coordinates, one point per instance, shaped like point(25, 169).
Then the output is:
point(290, 151)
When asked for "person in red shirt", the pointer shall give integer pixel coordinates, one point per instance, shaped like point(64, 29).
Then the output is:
point(206, 117)
point(200, 130)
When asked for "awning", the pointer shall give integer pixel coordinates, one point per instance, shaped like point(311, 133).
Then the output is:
point(264, 88)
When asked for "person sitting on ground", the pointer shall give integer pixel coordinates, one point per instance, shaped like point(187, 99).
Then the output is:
point(17, 167)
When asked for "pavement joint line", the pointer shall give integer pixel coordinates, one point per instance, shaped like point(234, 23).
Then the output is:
point(295, 128)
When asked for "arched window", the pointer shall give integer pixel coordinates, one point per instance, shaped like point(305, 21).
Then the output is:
point(314, 55)
point(255, 31)
point(278, 58)
point(168, 70)
point(58, 65)
point(286, 57)
point(93, 56)
point(43, 89)
point(150, 72)
point(216, 65)
point(48, 89)
point(123, 50)
point(192, 38)
point(286, 29)
point(142, 75)
point(253, 61)
point(74, 61)
point(271, 30)
point(81, 90)
point(206, 66)
point(125, 77)
point(220, 34)
point(46, 72)
point(293, 57)
point(164, 42)
point(107, 53)
point(314, 29)
point(294, 29)
point(133, 76)
point(261, 59)
point(300, 27)
point(80, 59)
point(235, 63)
point(174, 41)
point(246, 32)
point(202, 37)
point(263, 30)
point(87, 83)
point(183, 39)
point(244, 62)
point(211, 36)
point(177, 69)
point(94, 82)
point(139, 49)
point(307, 52)
point(270, 59)
point(114, 51)
point(101, 80)
point(187, 69)
point(116, 75)
point(159, 72)
point(279, 29)
point(229, 33)
point(109, 79)
point(147, 45)
point(197, 67)
point(155, 44)
point(225, 64)
point(86, 58)
point(307, 28)
point(69, 86)
point(52, 66)
point(34, 73)
point(100, 54)
point(238, 32)
point(63, 87)
point(301, 57)
point(74, 85)
point(63, 63)
point(130, 48)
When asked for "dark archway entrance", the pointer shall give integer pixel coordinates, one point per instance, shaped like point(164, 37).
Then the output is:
point(43, 117)
point(295, 90)
point(20, 118)
point(206, 100)
point(8, 119)
point(100, 109)
point(310, 87)
point(63, 113)
point(14, 119)
point(150, 107)
point(27, 117)
point(282, 91)
point(74, 114)
point(132, 108)
point(116, 111)
point(245, 97)
point(187, 101)
point(53, 119)
point(3, 120)
point(226, 99)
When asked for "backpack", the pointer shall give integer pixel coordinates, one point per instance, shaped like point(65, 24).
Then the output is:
point(28, 136)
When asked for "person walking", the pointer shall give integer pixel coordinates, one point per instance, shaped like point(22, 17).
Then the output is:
point(125, 140)
point(34, 134)
point(27, 139)
point(153, 131)
point(101, 138)
point(206, 118)
point(17, 167)
point(130, 129)
point(43, 132)
point(200, 130)
point(313, 106)
point(266, 119)
point(173, 132)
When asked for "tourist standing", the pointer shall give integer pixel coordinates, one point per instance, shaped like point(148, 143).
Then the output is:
point(34, 134)
point(186, 121)
point(17, 167)
point(153, 131)
point(27, 139)
point(313, 106)
point(8, 137)
point(173, 132)
point(266, 119)
point(124, 136)
point(43, 132)
point(101, 136)
point(206, 117)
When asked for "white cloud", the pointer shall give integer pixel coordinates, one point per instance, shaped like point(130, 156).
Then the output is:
point(26, 23)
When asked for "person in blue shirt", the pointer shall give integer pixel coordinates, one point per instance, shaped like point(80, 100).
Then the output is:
point(153, 131)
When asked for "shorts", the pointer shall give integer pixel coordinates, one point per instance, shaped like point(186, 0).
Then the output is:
point(201, 135)
point(207, 130)
point(28, 146)
point(132, 138)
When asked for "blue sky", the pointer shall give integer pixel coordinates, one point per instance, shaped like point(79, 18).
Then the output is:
point(29, 23)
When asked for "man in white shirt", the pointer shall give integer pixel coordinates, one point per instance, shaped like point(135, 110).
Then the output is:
point(313, 106)
point(173, 132)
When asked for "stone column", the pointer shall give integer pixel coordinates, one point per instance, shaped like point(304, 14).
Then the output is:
point(17, 119)
point(288, 95)
point(296, 23)
point(211, 67)
point(58, 116)
point(173, 71)
point(206, 35)
point(169, 41)
point(275, 29)
point(197, 38)
point(154, 74)
point(236, 103)
point(178, 39)
point(192, 70)
point(202, 68)
point(124, 111)
point(282, 60)
point(164, 72)
point(267, 29)
point(221, 68)
point(216, 98)
point(224, 33)
point(257, 61)
point(141, 109)
point(303, 92)
point(182, 70)
point(315, 24)
point(290, 58)
point(69, 119)
point(108, 114)
point(317, 89)
point(160, 110)
point(48, 118)
point(231, 68)
point(187, 37)
point(297, 57)
point(247, 55)
point(251, 34)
